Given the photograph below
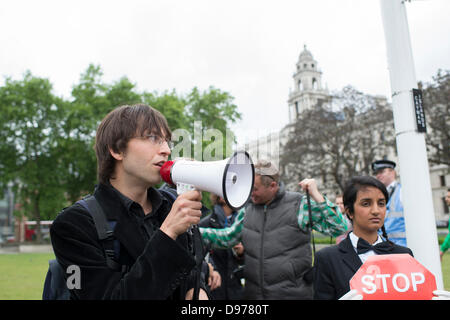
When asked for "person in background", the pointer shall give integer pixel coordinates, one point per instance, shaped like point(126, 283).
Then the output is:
point(365, 200)
point(225, 261)
point(339, 201)
point(275, 231)
point(384, 171)
point(446, 244)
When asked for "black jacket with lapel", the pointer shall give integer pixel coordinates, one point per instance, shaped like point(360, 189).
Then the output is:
point(335, 266)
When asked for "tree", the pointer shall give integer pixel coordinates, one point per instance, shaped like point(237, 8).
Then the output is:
point(337, 141)
point(436, 97)
point(30, 128)
point(214, 109)
point(46, 142)
point(171, 105)
point(92, 100)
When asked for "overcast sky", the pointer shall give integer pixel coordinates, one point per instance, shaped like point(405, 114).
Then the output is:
point(248, 48)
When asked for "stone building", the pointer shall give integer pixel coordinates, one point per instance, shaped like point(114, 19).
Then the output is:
point(307, 93)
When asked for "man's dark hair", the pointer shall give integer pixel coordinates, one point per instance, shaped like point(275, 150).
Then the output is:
point(121, 125)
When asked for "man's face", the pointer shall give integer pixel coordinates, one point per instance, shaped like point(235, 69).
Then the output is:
point(262, 194)
point(385, 176)
point(142, 161)
point(340, 203)
point(447, 198)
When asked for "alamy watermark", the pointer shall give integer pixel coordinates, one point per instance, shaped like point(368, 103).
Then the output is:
point(74, 277)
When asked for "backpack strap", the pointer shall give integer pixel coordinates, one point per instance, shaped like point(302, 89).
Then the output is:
point(104, 231)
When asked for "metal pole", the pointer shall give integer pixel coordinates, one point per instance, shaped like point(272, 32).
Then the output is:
point(417, 200)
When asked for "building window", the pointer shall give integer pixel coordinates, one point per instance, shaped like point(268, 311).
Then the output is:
point(300, 86)
point(314, 83)
point(442, 178)
point(312, 65)
point(445, 205)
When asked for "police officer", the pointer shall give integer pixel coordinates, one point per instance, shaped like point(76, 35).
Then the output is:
point(394, 223)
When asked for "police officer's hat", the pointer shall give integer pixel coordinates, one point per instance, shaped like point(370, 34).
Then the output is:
point(381, 164)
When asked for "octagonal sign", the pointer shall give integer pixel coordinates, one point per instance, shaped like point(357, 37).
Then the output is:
point(393, 277)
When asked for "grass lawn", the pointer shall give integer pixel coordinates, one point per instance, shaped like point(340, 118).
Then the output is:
point(446, 270)
point(22, 275)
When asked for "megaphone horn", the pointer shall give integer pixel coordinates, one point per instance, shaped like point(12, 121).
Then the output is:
point(231, 178)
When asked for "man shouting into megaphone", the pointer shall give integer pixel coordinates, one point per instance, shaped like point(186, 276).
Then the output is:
point(128, 240)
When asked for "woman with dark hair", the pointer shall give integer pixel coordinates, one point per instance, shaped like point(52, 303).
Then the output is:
point(365, 201)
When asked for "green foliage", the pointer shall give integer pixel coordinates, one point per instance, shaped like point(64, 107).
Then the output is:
point(46, 143)
point(31, 126)
point(171, 105)
point(212, 109)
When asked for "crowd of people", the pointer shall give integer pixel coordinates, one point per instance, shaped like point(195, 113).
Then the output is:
point(262, 251)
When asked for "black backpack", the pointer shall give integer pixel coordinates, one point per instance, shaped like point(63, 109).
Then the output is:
point(55, 287)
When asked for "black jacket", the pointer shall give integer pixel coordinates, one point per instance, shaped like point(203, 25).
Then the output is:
point(157, 266)
point(335, 266)
point(226, 263)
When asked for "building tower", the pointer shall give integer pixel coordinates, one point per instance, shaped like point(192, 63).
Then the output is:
point(308, 89)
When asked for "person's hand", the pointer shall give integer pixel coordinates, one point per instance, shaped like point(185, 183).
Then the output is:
point(184, 213)
point(311, 186)
point(352, 295)
point(214, 280)
point(441, 295)
point(441, 254)
point(238, 249)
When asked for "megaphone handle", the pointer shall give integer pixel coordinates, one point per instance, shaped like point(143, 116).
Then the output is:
point(184, 187)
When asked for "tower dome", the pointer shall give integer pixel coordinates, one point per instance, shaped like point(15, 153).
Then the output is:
point(308, 91)
point(305, 54)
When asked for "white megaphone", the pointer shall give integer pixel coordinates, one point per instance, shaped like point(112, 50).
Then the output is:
point(231, 178)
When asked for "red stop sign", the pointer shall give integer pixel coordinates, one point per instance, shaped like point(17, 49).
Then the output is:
point(393, 277)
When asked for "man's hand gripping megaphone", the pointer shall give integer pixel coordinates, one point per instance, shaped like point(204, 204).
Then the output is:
point(186, 210)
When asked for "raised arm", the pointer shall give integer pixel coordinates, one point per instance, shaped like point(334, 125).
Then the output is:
point(226, 237)
point(326, 216)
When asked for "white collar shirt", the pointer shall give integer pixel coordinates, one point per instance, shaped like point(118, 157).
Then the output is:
point(391, 186)
point(364, 256)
